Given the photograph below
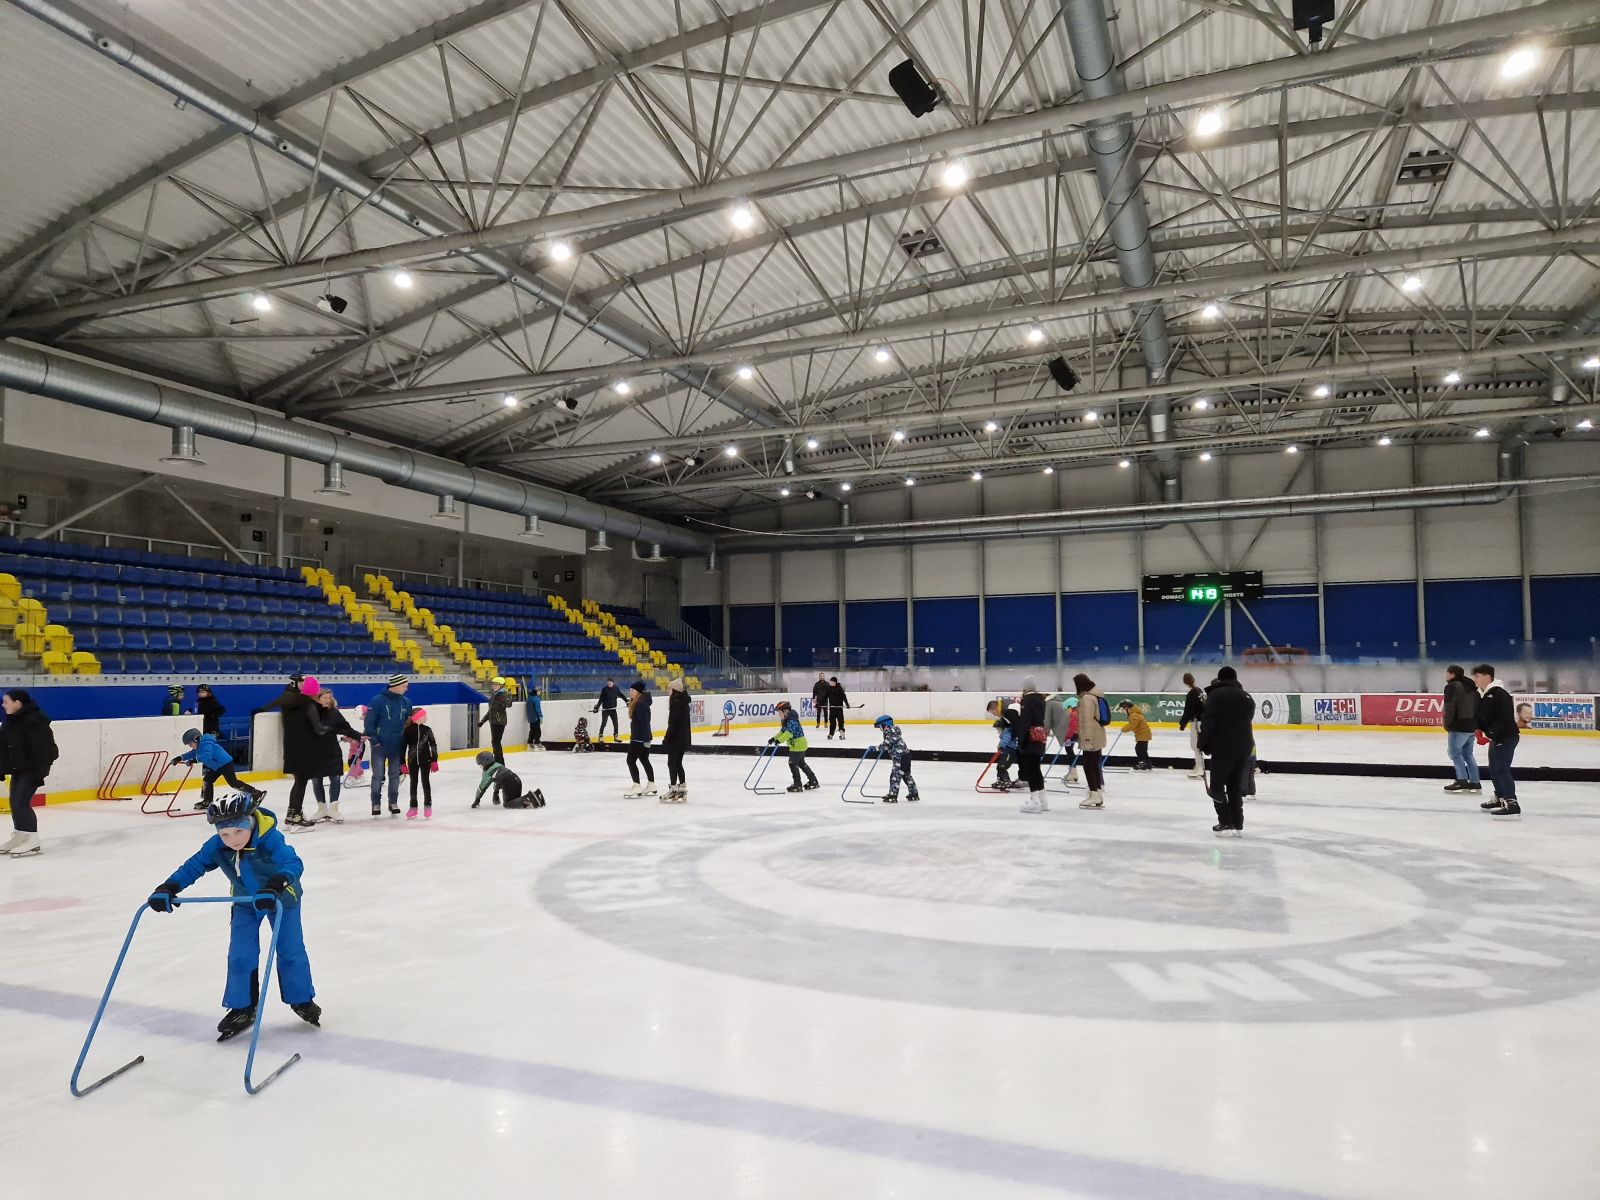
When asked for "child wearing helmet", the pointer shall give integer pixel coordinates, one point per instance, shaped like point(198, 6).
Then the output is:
point(506, 785)
point(172, 706)
point(793, 735)
point(895, 750)
point(249, 849)
point(215, 763)
point(496, 717)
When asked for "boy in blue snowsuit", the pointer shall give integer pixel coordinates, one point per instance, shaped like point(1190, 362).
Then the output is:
point(793, 735)
point(215, 763)
point(895, 750)
point(1005, 718)
point(260, 864)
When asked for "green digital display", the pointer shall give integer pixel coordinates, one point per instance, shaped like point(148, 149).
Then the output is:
point(1204, 593)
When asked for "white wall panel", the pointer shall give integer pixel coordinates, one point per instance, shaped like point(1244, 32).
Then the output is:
point(699, 586)
point(749, 578)
point(1564, 520)
point(1366, 546)
point(1019, 566)
point(809, 575)
point(943, 501)
point(1098, 562)
point(945, 569)
point(878, 573)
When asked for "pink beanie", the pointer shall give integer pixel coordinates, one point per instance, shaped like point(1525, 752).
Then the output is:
point(309, 687)
point(419, 715)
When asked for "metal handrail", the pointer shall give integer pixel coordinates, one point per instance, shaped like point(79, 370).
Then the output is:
point(105, 537)
point(489, 585)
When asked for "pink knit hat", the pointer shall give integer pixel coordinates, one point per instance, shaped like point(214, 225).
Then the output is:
point(309, 687)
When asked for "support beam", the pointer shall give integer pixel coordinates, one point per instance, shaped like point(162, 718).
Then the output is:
point(65, 522)
point(207, 525)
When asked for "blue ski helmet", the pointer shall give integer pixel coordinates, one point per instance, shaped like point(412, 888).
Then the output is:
point(232, 810)
point(884, 721)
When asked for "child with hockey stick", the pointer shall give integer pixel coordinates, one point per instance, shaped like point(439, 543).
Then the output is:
point(1005, 721)
point(793, 735)
point(1135, 723)
point(421, 761)
point(899, 756)
point(252, 853)
point(215, 763)
point(505, 783)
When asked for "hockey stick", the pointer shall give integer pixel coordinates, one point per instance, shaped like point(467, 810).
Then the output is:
point(266, 973)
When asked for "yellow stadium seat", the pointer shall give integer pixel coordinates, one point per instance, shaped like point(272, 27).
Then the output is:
point(29, 605)
point(309, 574)
point(9, 587)
point(56, 663)
point(84, 663)
point(58, 638)
point(8, 612)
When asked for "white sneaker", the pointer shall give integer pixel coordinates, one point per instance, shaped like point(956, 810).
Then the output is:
point(1093, 800)
point(28, 846)
point(333, 814)
point(322, 812)
point(1030, 803)
point(14, 841)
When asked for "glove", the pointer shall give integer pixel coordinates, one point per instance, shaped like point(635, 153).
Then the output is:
point(433, 767)
point(273, 892)
point(1483, 738)
point(161, 900)
point(176, 759)
point(405, 769)
point(772, 741)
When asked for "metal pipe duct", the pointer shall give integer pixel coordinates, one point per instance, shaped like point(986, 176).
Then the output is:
point(447, 509)
point(333, 479)
point(315, 158)
point(1112, 142)
point(183, 452)
point(44, 373)
point(1107, 520)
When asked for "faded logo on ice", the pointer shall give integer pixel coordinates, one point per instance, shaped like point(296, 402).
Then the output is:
point(1144, 923)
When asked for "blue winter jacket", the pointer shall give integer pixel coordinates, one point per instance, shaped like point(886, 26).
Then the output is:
point(639, 721)
point(535, 709)
point(248, 870)
point(208, 753)
point(387, 714)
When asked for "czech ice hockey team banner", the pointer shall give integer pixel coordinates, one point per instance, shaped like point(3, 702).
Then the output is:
point(1555, 712)
point(1330, 708)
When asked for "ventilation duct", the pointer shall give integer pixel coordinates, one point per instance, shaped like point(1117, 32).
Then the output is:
point(183, 453)
point(601, 546)
point(530, 527)
point(47, 373)
point(333, 479)
point(447, 509)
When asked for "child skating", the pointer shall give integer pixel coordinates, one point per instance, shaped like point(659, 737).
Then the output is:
point(793, 735)
point(899, 755)
point(259, 863)
point(421, 761)
point(1135, 723)
point(505, 783)
point(215, 763)
point(1005, 720)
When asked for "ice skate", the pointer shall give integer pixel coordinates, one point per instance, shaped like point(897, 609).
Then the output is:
point(1044, 800)
point(1072, 777)
point(259, 793)
point(634, 792)
point(891, 799)
point(322, 812)
point(812, 786)
point(201, 805)
point(537, 796)
point(427, 813)
point(912, 797)
point(235, 1022)
point(1030, 803)
point(310, 1012)
point(670, 796)
point(795, 787)
point(29, 846)
point(377, 809)
point(411, 814)
point(1458, 785)
point(394, 810)
point(333, 814)
point(1489, 806)
point(1506, 810)
point(1195, 775)
point(1093, 800)
point(11, 843)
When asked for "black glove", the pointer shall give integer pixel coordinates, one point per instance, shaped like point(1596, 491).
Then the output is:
point(772, 741)
point(176, 759)
point(273, 892)
point(161, 900)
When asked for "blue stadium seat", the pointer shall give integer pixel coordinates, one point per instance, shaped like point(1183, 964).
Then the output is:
point(158, 639)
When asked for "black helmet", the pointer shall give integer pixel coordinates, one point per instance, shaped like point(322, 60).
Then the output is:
point(191, 737)
point(225, 810)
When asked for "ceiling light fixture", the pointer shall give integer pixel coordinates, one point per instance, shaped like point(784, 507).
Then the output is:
point(783, 491)
point(1091, 416)
point(881, 354)
point(1586, 424)
point(812, 443)
point(990, 427)
point(1452, 378)
point(730, 451)
point(1520, 60)
point(1481, 433)
point(331, 303)
point(655, 458)
point(742, 216)
point(621, 387)
point(899, 435)
point(977, 476)
point(560, 251)
point(1049, 470)
point(261, 302)
point(1592, 363)
point(1125, 463)
point(508, 400)
point(1209, 123)
point(690, 461)
point(1411, 284)
point(954, 174)
point(1035, 336)
point(844, 487)
point(1211, 311)
point(1386, 440)
point(1202, 404)
point(746, 372)
point(1205, 456)
point(910, 482)
point(401, 279)
point(1291, 448)
point(1322, 391)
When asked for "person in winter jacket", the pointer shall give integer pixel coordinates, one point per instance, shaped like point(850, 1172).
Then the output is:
point(505, 783)
point(303, 751)
point(288, 698)
point(895, 750)
point(535, 720)
point(1031, 733)
point(27, 752)
point(210, 710)
point(499, 712)
point(1227, 738)
point(388, 713)
point(1093, 714)
point(172, 706)
point(819, 698)
point(606, 705)
point(1134, 722)
point(215, 763)
point(422, 760)
point(331, 728)
point(792, 734)
point(639, 737)
point(837, 703)
point(248, 848)
point(676, 743)
point(1461, 728)
point(1005, 717)
point(1497, 719)
point(1194, 703)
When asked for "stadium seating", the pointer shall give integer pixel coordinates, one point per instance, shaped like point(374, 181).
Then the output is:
point(124, 611)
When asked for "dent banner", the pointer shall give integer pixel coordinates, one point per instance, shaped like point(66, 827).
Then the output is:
point(1423, 711)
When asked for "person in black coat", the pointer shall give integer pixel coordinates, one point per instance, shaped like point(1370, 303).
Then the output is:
point(331, 725)
point(27, 752)
point(303, 753)
point(1460, 716)
point(1497, 718)
point(1030, 715)
point(837, 703)
point(639, 736)
point(1194, 703)
point(676, 743)
point(819, 697)
point(210, 710)
point(606, 705)
point(1227, 737)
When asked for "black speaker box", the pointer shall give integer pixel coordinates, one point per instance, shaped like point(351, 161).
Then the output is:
point(915, 92)
point(1064, 375)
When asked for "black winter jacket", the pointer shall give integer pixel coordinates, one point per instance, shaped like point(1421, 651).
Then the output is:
point(1030, 712)
point(421, 747)
point(1193, 705)
point(211, 711)
point(330, 725)
point(819, 692)
point(499, 707)
point(1460, 706)
point(302, 737)
point(1497, 714)
point(27, 747)
point(639, 720)
point(1227, 735)
point(836, 696)
point(677, 736)
point(608, 698)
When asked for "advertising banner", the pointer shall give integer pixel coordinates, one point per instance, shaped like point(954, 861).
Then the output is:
point(1555, 712)
point(1274, 708)
point(1422, 711)
point(1330, 708)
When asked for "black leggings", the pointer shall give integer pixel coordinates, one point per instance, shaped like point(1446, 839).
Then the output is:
point(496, 732)
point(1141, 752)
point(422, 773)
point(297, 794)
point(835, 719)
point(535, 732)
point(23, 786)
point(675, 775)
point(208, 778)
point(1093, 777)
point(638, 755)
point(1030, 772)
point(608, 714)
point(1227, 792)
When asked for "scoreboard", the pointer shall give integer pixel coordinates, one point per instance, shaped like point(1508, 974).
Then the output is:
point(1203, 589)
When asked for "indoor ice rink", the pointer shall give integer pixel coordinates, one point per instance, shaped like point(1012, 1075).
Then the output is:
point(913, 599)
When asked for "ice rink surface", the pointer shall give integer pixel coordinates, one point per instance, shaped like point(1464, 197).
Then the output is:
point(1377, 992)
